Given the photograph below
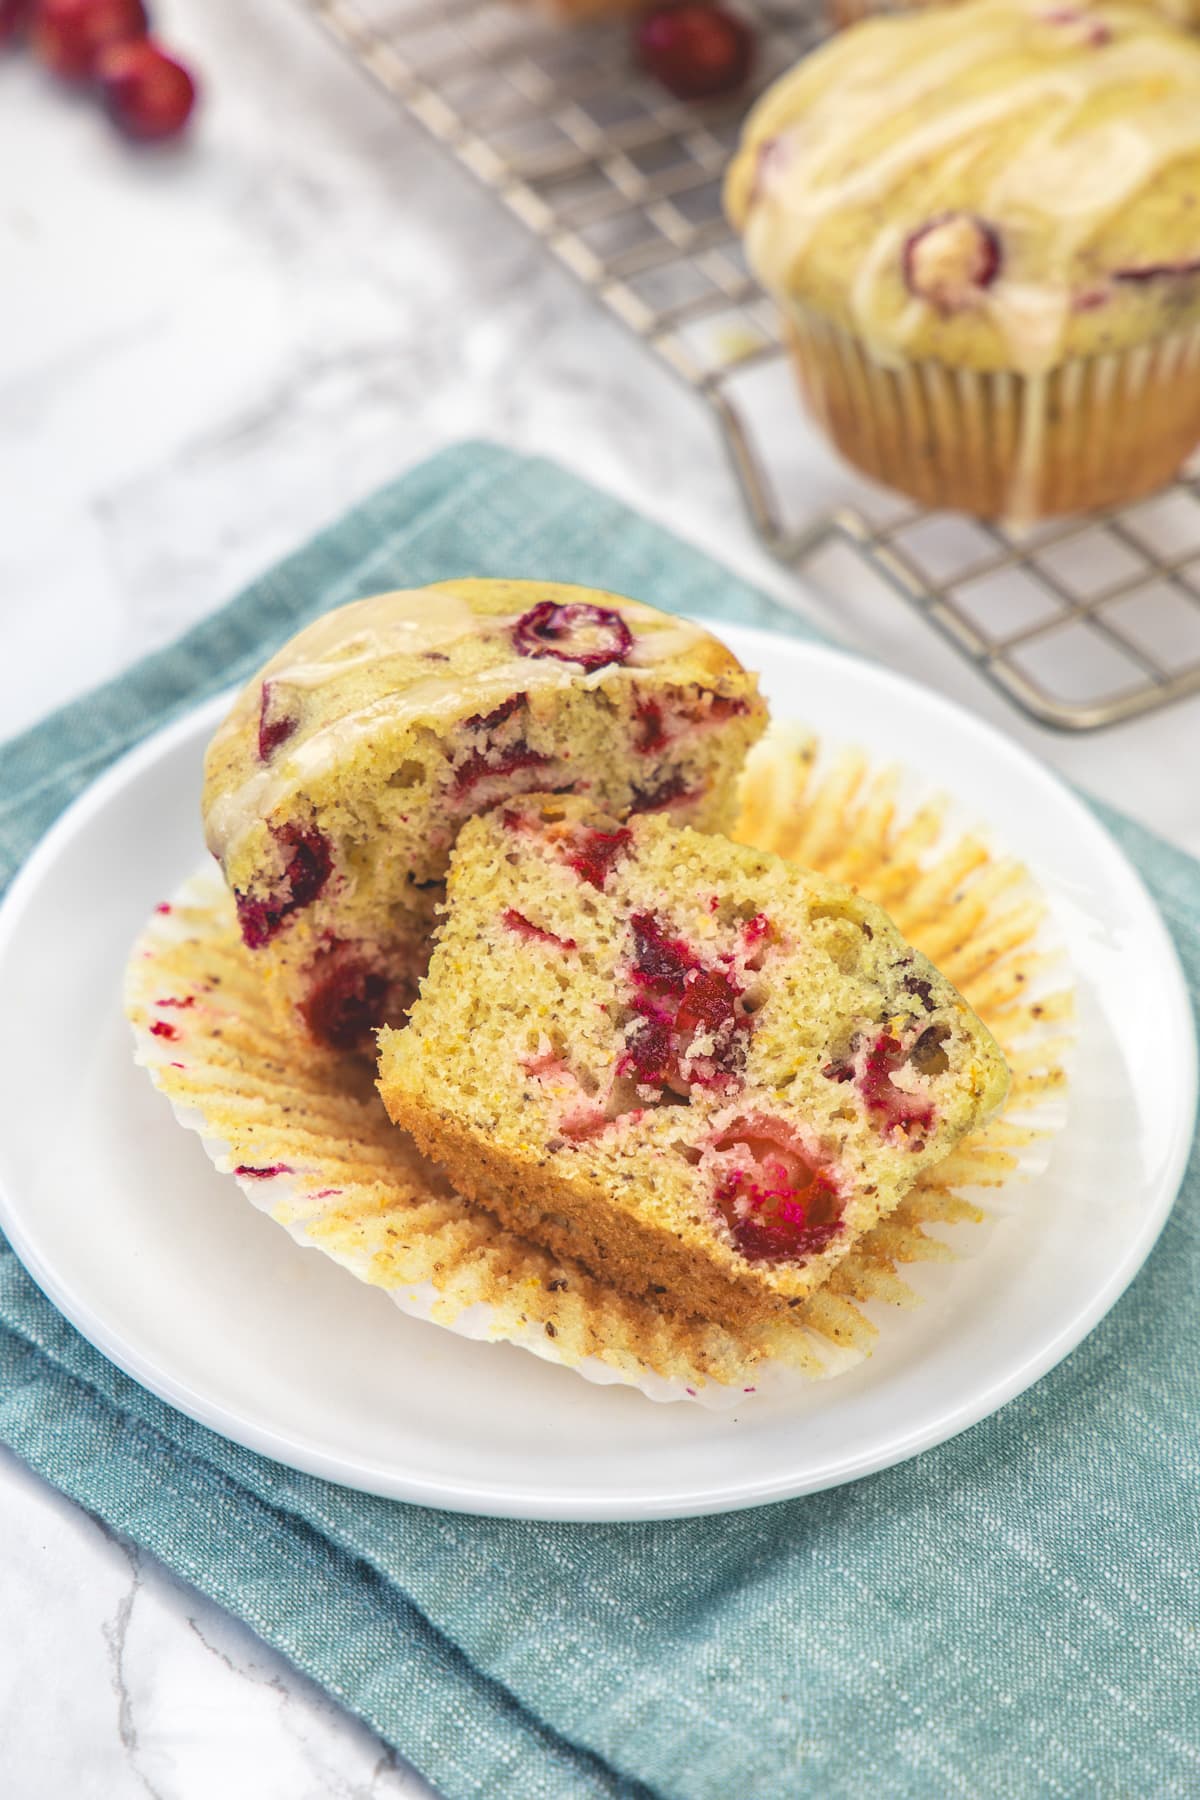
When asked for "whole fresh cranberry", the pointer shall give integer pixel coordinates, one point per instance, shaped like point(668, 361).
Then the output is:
point(951, 261)
point(697, 52)
point(69, 36)
point(14, 17)
point(148, 93)
point(591, 636)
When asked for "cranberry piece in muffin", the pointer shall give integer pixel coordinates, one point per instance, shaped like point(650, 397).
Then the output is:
point(951, 261)
point(591, 636)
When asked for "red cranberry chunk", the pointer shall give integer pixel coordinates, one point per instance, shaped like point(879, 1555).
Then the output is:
point(709, 1004)
point(275, 723)
point(526, 928)
point(345, 1001)
point(650, 734)
point(658, 798)
point(591, 636)
point(308, 869)
point(650, 1051)
point(489, 721)
point(162, 1029)
point(892, 1105)
point(779, 1203)
point(1136, 272)
point(592, 854)
point(495, 761)
point(692, 1029)
point(951, 261)
point(697, 52)
point(659, 961)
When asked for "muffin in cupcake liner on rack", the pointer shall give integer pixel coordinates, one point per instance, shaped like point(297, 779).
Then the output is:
point(979, 223)
point(686, 1063)
point(304, 1133)
point(335, 788)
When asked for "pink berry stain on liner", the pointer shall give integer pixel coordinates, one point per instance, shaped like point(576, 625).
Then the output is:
point(592, 636)
point(161, 1029)
point(256, 1172)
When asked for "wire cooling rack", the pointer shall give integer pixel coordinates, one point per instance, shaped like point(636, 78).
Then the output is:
point(1081, 622)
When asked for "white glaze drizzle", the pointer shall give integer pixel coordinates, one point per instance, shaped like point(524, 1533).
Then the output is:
point(1065, 181)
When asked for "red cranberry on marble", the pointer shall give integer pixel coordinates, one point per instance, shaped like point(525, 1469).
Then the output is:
point(950, 261)
point(778, 1202)
point(14, 17)
point(69, 36)
point(697, 52)
point(591, 636)
point(149, 95)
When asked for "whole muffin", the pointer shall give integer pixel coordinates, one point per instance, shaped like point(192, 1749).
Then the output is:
point(337, 785)
point(983, 227)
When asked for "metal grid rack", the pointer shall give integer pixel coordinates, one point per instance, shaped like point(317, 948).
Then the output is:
point(1081, 622)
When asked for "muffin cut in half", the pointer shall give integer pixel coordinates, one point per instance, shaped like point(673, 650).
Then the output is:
point(337, 785)
point(700, 1071)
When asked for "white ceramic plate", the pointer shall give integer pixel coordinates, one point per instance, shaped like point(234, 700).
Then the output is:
point(162, 1264)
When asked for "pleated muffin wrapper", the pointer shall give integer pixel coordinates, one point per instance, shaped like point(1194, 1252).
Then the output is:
point(305, 1135)
point(1090, 433)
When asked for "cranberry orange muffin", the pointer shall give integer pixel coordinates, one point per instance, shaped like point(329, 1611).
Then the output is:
point(981, 225)
point(335, 788)
point(700, 1071)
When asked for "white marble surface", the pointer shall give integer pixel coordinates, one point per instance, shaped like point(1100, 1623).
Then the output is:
point(203, 355)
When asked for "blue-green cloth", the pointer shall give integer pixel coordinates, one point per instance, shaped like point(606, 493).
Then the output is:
point(1013, 1614)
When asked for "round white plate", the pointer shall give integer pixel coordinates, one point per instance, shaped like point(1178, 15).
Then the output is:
point(161, 1263)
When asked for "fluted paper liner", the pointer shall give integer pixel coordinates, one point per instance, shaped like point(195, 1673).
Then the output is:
point(305, 1134)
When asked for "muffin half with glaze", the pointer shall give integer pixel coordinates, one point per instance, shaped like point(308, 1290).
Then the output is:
point(335, 789)
point(982, 225)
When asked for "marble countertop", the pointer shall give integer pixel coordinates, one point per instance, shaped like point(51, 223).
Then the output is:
point(206, 353)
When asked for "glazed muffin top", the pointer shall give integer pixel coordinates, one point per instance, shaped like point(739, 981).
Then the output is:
point(420, 657)
point(1004, 184)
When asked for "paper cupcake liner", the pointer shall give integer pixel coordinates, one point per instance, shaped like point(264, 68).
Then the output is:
point(1094, 432)
point(306, 1137)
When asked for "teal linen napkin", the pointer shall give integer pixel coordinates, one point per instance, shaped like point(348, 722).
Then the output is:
point(1013, 1614)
